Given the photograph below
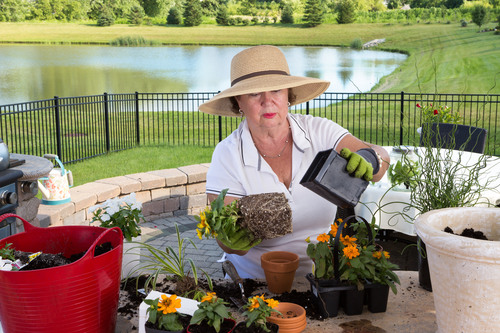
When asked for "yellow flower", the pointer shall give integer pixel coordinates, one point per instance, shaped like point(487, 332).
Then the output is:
point(272, 303)
point(323, 238)
point(333, 229)
point(351, 252)
point(255, 303)
point(169, 304)
point(348, 241)
point(377, 254)
point(386, 254)
point(308, 239)
point(208, 297)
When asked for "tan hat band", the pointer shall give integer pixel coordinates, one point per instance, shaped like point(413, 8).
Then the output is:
point(254, 74)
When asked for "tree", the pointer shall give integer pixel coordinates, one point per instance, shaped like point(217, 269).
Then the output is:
point(346, 11)
point(479, 15)
point(287, 14)
point(154, 8)
point(192, 13)
point(174, 16)
point(136, 15)
point(106, 18)
point(313, 13)
point(393, 4)
point(222, 16)
point(453, 3)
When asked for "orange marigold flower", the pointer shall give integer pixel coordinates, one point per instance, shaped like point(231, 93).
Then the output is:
point(272, 303)
point(351, 252)
point(348, 241)
point(169, 304)
point(386, 254)
point(333, 229)
point(377, 254)
point(208, 297)
point(323, 238)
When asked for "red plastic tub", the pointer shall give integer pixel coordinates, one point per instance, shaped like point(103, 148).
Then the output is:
point(79, 297)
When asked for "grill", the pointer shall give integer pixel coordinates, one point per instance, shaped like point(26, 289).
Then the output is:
point(8, 197)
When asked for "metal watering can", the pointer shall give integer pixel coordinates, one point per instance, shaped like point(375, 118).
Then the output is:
point(55, 187)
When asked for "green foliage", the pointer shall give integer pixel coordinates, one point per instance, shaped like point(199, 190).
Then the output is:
point(313, 13)
point(7, 252)
point(287, 14)
point(157, 316)
point(357, 44)
point(479, 15)
point(136, 15)
point(346, 11)
point(192, 13)
point(155, 8)
point(174, 16)
point(403, 172)
point(257, 309)
point(211, 310)
point(393, 4)
point(222, 16)
point(133, 41)
point(223, 221)
point(157, 262)
point(13, 10)
point(106, 18)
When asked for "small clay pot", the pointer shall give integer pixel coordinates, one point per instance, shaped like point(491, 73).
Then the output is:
point(293, 319)
point(279, 267)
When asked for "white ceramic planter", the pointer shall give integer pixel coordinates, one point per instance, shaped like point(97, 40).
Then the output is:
point(465, 272)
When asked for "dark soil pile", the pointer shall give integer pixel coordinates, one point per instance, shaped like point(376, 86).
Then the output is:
point(468, 232)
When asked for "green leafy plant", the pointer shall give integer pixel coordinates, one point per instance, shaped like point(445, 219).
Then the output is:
point(7, 252)
point(211, 310)
point(403, 172)
point(223, 222)
point(360, 260)
point(257, 309)
point(438, 114)
point(171, 262)
point(124, 212)
point(162, 312)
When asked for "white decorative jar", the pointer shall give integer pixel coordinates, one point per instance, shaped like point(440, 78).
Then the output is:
point(465, 272)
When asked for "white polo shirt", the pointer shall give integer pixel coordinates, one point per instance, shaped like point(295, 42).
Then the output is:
point(238, 166)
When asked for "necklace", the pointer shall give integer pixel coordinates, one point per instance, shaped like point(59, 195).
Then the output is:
point(279, 154)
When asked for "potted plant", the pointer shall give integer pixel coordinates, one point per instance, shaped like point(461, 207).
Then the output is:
point(257, 309)
point(464, 271)
point(126, 214)
point(163, 316)
point(401, 173)
point(239, 224)
point(212, 315)
point(347, 263)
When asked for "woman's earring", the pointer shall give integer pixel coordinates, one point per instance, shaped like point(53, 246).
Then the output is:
point(288, 104)
point(241, 112)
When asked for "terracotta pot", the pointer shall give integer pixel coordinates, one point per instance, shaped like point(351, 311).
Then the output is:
point(294, 318)
point(464, 271)
point(279, 267)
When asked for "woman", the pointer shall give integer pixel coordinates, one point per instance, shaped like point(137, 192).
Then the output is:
point(272, 149)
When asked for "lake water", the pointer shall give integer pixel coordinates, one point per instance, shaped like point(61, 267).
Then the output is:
point(36, 72)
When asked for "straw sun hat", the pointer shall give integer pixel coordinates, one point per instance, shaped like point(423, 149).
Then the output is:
point(258, 69)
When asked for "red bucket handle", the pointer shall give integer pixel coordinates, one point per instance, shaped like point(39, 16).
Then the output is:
point(28, 227)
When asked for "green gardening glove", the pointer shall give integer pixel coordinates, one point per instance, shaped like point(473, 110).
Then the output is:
point(357, 165)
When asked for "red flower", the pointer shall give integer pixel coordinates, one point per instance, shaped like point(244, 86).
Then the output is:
point(418, 105)
point(435, 111)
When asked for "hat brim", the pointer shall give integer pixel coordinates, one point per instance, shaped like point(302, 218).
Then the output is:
point(304, 88)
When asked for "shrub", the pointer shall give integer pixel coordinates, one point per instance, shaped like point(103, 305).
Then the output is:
point(357, 44)
point(287, 14)
point(136, 15)
point(346, 10)
point(313, 13)
point(106, 18)
point(222, 16)
point(479, 15)
point(463, 23)
point(174, 16)
point(192, 13)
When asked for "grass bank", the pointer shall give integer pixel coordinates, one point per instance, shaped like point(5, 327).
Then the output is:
point(443, 58)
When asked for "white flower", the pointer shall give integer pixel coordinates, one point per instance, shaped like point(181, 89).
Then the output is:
point(105, 217)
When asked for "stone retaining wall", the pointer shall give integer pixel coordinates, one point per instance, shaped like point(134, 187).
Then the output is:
point(163, 193)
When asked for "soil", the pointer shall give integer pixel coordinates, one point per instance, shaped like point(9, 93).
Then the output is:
point(225, 327)
point(48, 260)
point(468, 232)
point(242, 328)
point(184, 320)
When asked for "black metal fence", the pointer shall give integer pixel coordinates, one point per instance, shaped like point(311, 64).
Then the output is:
point(77, 128)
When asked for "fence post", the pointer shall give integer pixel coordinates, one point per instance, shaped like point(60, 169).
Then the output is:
point(137, 127)
point(220, 128)
point(58, 128)
point(307, 107)
point(106, 122)
point(401, 118)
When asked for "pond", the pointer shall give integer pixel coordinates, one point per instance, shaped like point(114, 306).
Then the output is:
point(36, 72)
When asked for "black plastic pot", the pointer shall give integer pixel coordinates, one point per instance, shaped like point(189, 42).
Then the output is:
point(424, 275)
point(353, 301)
point(376, 296)
point(327, 176)
point(326, 295)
